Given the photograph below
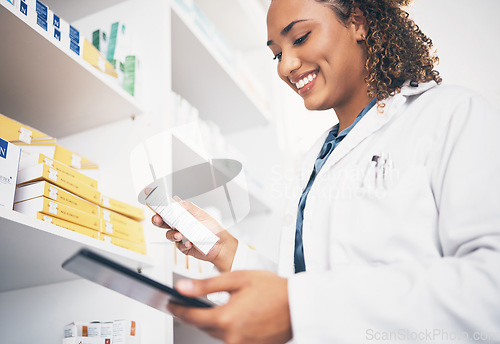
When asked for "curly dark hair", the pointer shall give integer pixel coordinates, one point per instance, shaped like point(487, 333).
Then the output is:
point(397, 49)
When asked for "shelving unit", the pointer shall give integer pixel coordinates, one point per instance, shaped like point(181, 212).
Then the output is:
point(218, 94)
point(58, 93)
point(245, 28)
point(51, 89)
point(37, 249)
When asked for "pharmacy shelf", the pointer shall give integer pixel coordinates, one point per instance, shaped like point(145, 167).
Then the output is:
point(204, 78)
point(51, 89)
point(32, 251)
point(245, 28)
point(72, 10)
point(186, 154)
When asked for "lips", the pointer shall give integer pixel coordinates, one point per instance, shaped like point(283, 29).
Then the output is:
point(304, 79)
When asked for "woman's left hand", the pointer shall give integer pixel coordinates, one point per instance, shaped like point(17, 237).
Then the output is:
point(257, 311)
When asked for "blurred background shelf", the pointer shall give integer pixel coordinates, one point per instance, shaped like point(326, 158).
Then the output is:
point(217, 92)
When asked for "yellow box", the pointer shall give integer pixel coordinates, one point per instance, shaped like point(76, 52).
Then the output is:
point(118, 219)
point(96, 59)
point(123, 243)
point(53, 208)
point(132, 234)
point(21, 134)
point(43, 188)
point(45, 172)
point(122, 208)
point(68, 225)
point(75, 160)
point(35, 159)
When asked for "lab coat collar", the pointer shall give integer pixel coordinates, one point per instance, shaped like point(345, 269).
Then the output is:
point(371, 122)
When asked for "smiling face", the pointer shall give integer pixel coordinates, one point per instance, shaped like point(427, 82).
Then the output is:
point(319, 57)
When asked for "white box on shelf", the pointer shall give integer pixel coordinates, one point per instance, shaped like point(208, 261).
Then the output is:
point(107, 331)
point(9, 164)
point(84, 340)
point(82, 329)
point(126, 332)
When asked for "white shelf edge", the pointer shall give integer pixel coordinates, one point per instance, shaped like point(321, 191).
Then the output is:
point(26, 241)
point(78, 59)
point(81, 69)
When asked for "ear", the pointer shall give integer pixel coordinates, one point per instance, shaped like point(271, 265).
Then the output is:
point(359, 24)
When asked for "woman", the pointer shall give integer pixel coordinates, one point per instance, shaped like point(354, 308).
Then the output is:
point(397, 232)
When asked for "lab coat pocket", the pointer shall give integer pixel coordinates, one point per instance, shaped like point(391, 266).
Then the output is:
point(377, 220)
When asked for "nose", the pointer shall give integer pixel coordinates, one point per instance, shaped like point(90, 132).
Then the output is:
point(289, 64)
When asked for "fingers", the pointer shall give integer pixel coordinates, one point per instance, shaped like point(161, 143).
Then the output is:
point(229, 282)
point(158, 222)
point(174, 235)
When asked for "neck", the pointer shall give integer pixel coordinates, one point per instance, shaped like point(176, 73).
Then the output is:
point(348, 112)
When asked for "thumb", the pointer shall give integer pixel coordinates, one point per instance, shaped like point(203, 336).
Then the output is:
point(230, 282)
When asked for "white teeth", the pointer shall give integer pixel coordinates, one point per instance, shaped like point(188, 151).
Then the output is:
point(305, 81)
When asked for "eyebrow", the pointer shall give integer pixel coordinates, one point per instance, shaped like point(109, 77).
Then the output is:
point(287, 29)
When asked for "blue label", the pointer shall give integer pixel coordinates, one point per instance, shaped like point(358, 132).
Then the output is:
point(3, 148)
point(57, 34)
point(74, 34)
point(41, 9)
point(56, 22)
point(24, 8)
point(41, 22)
point(74, 47)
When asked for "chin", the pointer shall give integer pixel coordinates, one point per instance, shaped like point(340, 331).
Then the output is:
point(312, 106)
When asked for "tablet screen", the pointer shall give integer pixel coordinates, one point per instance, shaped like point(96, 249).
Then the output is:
point(101, 270)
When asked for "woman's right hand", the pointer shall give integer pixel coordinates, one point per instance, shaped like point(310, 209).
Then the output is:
point(221, 255)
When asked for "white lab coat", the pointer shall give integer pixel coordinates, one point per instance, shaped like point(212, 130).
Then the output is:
point(413, 256)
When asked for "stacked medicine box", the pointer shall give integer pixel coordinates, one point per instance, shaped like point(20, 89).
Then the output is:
point(51, 187)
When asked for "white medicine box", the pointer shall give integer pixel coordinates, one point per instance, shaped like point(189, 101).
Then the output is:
point(9, 164)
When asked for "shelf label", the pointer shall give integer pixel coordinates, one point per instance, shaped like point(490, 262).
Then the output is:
point(24, 8)
point(53, 174)
point(41, 10)
point(105, 202)
point(106, 215)
point(57, 34)
point(41, 22)
point(25, 135)
point(74, 35)
point(52, 192)
point(3, 148)
point(74, 47)
point(109, 227)
point(48, 162)
point(56, 21)
point(47, 218)
point(53, 208)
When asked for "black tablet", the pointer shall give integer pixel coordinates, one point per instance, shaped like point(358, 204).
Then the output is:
point(123, 280)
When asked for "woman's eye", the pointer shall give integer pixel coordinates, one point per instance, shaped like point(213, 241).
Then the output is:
point(277, 57)
point(301, 40)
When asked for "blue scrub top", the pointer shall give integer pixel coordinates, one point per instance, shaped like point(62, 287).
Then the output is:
point(332, 140)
